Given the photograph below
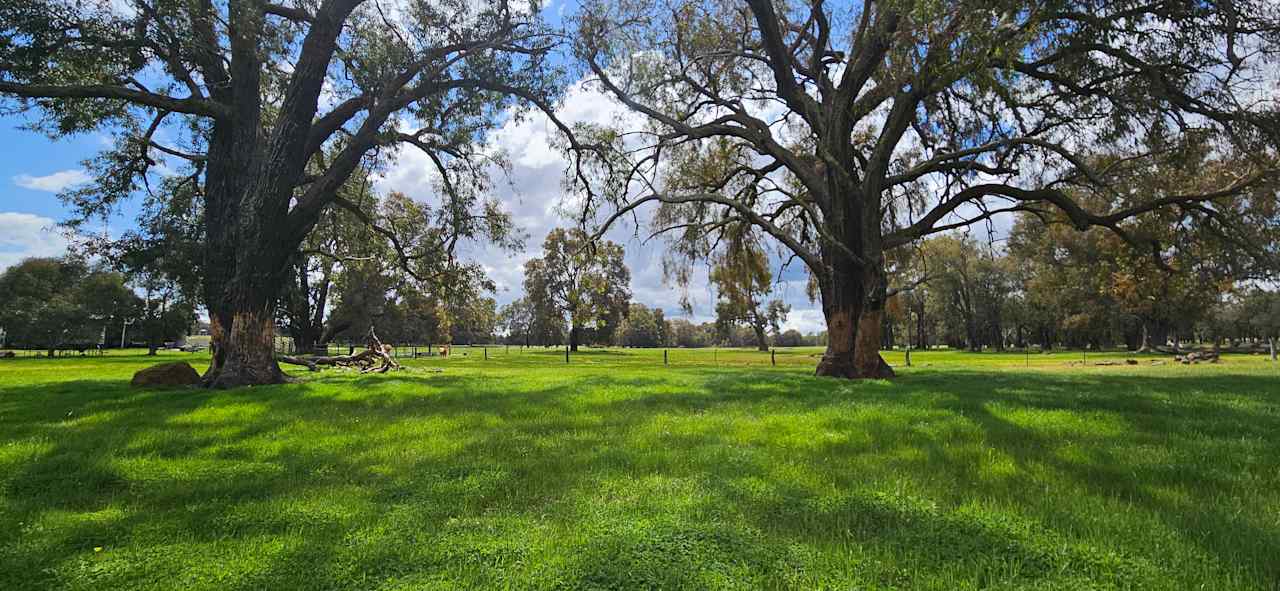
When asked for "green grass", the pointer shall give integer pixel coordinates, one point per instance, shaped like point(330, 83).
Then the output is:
point(614, 472)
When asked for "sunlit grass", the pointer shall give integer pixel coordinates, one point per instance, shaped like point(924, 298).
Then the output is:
point(617, 472)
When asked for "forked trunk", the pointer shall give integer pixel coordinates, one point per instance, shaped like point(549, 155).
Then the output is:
point(762, 342)
point(853, 332)
point(244, 353)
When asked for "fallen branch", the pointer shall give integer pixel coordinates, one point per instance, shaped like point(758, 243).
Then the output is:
point(382, 352)
point(366, 360)
point(310, 364)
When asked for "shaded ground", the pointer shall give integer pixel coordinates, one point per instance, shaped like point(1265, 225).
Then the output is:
point(968, 471)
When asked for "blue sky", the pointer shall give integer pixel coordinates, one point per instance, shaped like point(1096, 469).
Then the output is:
point(33, 169)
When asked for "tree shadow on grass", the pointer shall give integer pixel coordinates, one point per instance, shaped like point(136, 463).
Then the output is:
point(600, 480)
point(944, 424)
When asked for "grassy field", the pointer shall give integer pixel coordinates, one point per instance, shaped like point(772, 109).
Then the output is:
point(614, 472)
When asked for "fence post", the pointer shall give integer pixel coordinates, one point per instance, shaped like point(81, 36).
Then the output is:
point(486, 353)
point(908, 350)
point(773, 357)
point(664, 356)
point(566, 353)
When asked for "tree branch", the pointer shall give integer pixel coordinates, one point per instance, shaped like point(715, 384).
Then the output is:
point(190, 106)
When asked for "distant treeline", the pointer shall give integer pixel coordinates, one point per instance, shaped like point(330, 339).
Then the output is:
point(645, 327)
point(1048, 286)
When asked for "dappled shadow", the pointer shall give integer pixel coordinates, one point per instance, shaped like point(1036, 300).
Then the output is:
point(595, 480)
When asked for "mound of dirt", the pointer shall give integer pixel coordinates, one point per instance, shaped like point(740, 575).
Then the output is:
point(178, 373)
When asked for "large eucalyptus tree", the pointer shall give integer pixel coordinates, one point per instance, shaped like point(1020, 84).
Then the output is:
point(847, 129)
point(273, 106)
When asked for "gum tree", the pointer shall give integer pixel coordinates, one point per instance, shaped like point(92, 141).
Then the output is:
point(740, 272)
point(270, 108)
point(583, 281)
point(845, 130)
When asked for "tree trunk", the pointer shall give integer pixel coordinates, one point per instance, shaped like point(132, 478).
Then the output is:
point(762, 342)
point(921, 338)
point(573, 338)
point(244, 353)
point(853, 329)
point(886, 332)
point(1271, 342)
point(303, 343)
point(1142, 343)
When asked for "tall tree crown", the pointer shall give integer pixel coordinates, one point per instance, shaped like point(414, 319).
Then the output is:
point(857, 127)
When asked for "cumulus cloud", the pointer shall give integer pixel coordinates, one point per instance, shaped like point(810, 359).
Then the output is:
point(24, 235)
point(532, 191)
point(52, 183)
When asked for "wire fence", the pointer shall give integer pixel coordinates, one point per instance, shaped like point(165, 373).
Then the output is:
point(57, 351)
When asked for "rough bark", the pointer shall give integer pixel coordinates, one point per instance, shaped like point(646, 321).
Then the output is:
point(853, 330)
point(867, 361)
point(244, 354)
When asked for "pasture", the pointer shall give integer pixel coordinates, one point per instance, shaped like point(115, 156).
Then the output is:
point(719, 471)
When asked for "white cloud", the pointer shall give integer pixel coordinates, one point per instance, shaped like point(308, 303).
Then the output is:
point(808, 321)
point(52, 183)
point(532, 193)
point(24, 235)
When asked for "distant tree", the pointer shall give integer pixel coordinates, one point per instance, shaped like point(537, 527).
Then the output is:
point(743, 283)
point(361, 294)
point(339, 238)
point(818, 339)
point(791, 338)
point(161, 260)
point(51, 302)
point(516, 322)
point(582, 281)
point(163, 311)
point(663, 328)
point(643, 327)
point(1263, 310)
point(549, 327)
point(473, 320)
point(970, 285)
point(1092, 288)
point(686, 334)
point(410, 299)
